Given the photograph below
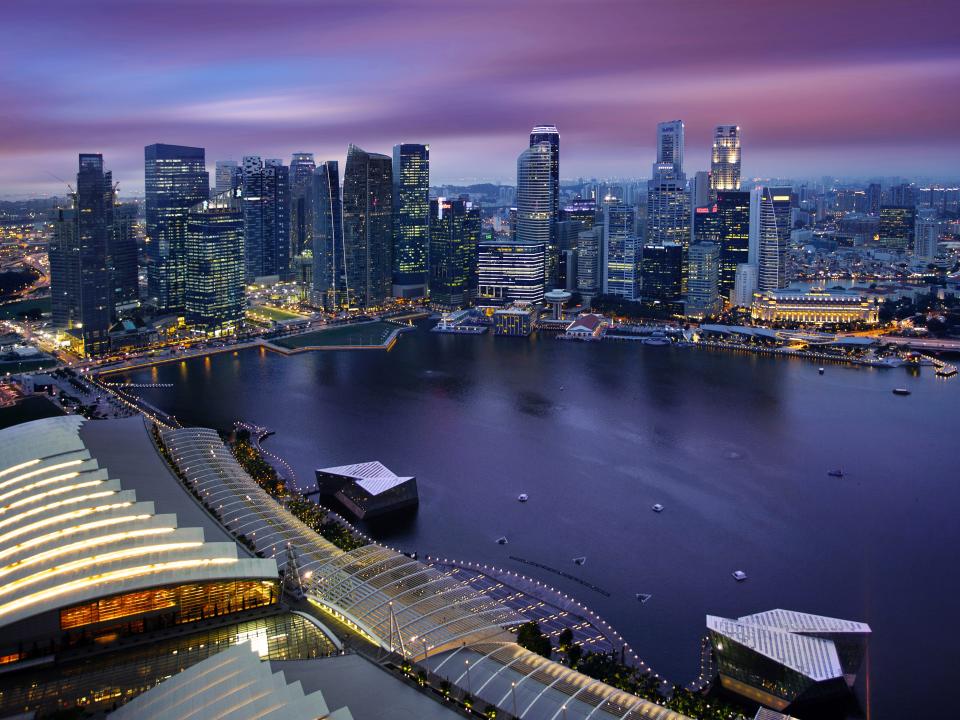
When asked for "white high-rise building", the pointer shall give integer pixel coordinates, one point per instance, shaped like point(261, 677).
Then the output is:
point(227, 176)
point(725, 159)
point(668, 207)
point(745, 285)
point(670, 144)
point(535, 214)
point(768, 246)
point(926, 235)
point(700, 189)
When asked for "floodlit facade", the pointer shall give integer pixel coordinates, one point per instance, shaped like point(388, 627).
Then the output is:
point(535, 202)
point(621, 251)
point(782, 657)
point(368, 489)
point(302, 168)
point(266, 217)
point(455, 227)
point(768, 246)
point(368, 227)
point(703, 277)
point(411, 219)
point(813, 307)
point(510, 271)
point(725, 158)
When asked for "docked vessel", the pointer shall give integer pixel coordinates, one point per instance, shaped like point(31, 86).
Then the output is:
point(901, 391)
point(739, 575)
point(523, 497)
point(836, 473)
point(658, 508)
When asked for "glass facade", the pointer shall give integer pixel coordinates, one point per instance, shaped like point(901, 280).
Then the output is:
point(508, 271)
point(622, 252)
point(122, 255)
point(454, 237)
point(266, 217)
point(411, 219)
point(897, 227)
point(302, 167)
point(733, 212)
point(176, 179)
point(368, 227)
point(329, 257)
point(662, 271)
point(725, 158)
point(535, 210)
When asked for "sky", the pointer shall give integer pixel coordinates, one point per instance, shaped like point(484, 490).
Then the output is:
point(825, 87)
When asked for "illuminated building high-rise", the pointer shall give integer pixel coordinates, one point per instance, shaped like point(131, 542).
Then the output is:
point(622, 248)
point(509, 271)
point(926, 235)
point(768, 246)
point(733, 211)
point(266, 217)
point(229, 176)
point(725, 159)
point(549, 134)
point(411, 219)
point(670, 145)
point(535, 198)
point(454, 237)
point(703, 278)
point(329, 256)
point(897, 226)
point(662, 272)
point(668, 207)
point(176, 179)
point(302, 166)
point(122, 258)
point(80, 278)
point(368, 226)
point(215, 263)
point(700, 189)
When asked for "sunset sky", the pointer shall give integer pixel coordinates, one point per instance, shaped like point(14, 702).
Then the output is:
point(843, 87)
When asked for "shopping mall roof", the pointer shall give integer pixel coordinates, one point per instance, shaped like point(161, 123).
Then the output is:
point(71, 532)
point(374, 476)
point(233, 683)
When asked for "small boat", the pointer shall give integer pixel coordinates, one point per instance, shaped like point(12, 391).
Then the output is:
point(502, 540)
point(579, 560)
point(658, 508)
point(739, 575)
point(901, 391)
point(643, 597)
point(835, 473)
point(523, 497)
point(820, 370)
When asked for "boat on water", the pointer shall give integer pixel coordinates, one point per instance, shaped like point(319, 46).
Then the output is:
point(835, 473)
point(523, 497)
point(820, 370)
point(502, 540)
point(656, 338)
point(643, 597)
point(739, 575)
point(579, 560)
point(901, 391)
point(658, 508)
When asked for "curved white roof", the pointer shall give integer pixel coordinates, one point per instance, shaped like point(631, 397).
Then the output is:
point(70, 533)
point(374, 476)
point(232, 684)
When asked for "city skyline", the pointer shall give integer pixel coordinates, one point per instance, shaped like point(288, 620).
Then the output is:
point(313, 82)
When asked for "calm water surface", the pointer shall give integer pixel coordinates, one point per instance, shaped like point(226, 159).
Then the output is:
point(737, 447)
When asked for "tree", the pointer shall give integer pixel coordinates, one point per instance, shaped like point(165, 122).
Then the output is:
point(532, 638)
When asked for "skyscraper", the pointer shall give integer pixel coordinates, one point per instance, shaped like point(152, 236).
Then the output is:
point(535, 213)
point(897, 226)
point(215, 263)
point(176, 179)
point(700, 189)
point(703, 278)
point(621, 274)
point(768, 247)
point(122, 257)
point(781, 197)
point(662, 272)
point(80, 280)
point(229, 176)
point(329, 258)
point(454, 237)
point(509, 271)
point(549, 134)
point(926, 235)
point(411, 219)
point(670, 145)
point(266, 217)
point(668, 207)
point(733, 211)
point(725, 159)
point(301, 202)
point(368, 226)
point(590, 261)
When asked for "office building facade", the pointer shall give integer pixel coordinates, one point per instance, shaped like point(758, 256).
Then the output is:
point(662, 272)
point(411, 219)
point(668, 207)
point(368, 227)
point(509, 271)
point(926, 235)
point(622, 247)
point(768, 246)
point(302, 167)
point(670, 145)
point(590, 257)
point(703, 280)
point(535, 213)
point(266, 217)
point(122, 258)
point(725, 159)
point(896, 227)
point(454, 239)
point(550, 135)
point(329, 256)
point(228, 176)
point(733, 213)
point(176, 179)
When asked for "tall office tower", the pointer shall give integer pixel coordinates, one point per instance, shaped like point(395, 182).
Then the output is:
point(582, 212)
point(670, 145)
point(329, 257)
point(725, 160)
point(733, 211)
point(368, 226)
point(662, 271)
point(509, 271)
point(874, 198)
point(549, 134)
point(80, 281)
point(903, 195)
point(176, 179)
point(896, 227)
point(926, 234)
point(668, 207)
point(301, 202)
point(215, 263)
point(621, 266)
point(781, 197)
point(411, 219)
point(700, 189)
point(535, 197)
point(266, 217)
point(454, 237)
point(744, 285)
point(705, 227)
point(122, 257)
point(590, 256)
point(229, 176)
point(703, 280)
point(768, 247)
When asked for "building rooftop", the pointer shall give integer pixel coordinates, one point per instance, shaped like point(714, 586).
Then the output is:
point(374, 476)
point(801, 622)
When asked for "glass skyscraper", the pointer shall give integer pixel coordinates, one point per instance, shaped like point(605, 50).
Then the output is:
point(725, 158)
point(550, 135)
point(454, 237)
point(621, 266)
point(302, 166)
point(769, 245)
point(733, 212)
point(670, 144)
point(368, 226)
point(215, 265)
point(509, 271)
point(703, 278)
point(176, 179)
point(329, 257)
point(668, 207)
point(535, 213)
point(266, 216)
point(411, 219)
point(122, 256)
point(662, 271)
